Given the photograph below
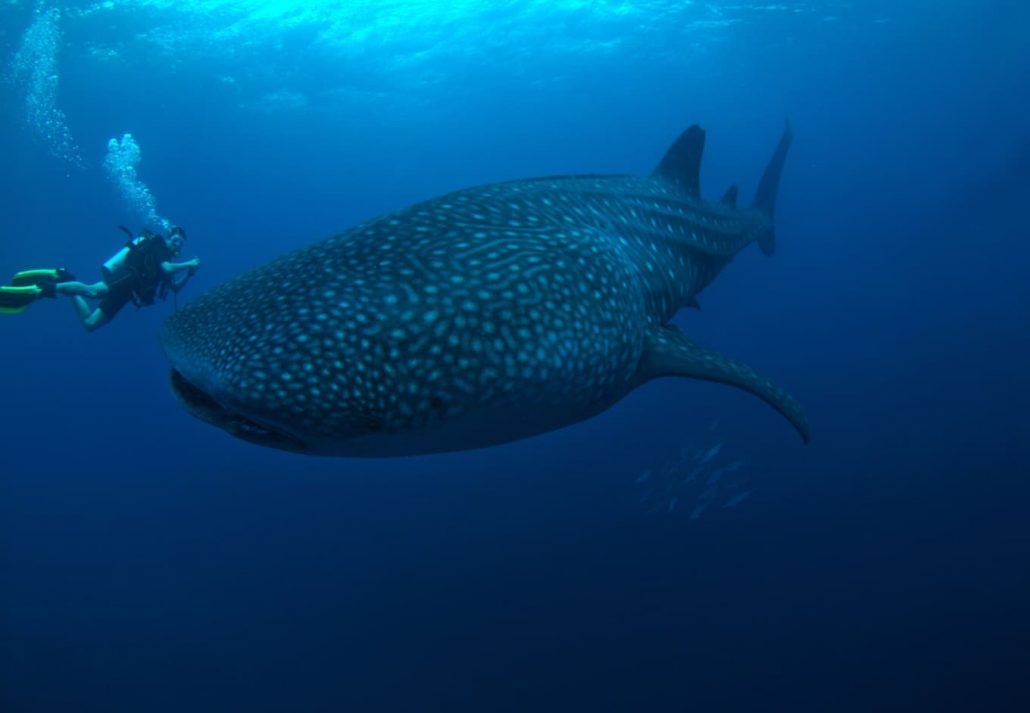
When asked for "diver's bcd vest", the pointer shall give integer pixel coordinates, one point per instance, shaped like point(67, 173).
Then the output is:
point(144, 259)
point(140, 261)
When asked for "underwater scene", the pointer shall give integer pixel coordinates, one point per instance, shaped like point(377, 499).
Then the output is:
point(515, 355)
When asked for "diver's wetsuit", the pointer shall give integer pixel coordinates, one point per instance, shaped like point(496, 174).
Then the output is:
point(119, 294)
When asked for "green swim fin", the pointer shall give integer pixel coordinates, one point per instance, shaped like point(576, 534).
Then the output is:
point(14, 299)
point(39, 277)
point(28, 286)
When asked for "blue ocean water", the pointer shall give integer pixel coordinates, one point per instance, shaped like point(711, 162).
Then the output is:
point(682, 551)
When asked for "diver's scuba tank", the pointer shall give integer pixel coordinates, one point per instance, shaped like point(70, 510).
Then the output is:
point(115, 265)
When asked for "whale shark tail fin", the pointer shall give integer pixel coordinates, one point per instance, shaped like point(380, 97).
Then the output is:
point(765, 198)
point(682, 162)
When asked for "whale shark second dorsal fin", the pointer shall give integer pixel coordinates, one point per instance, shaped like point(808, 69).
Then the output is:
point(682, 162)
point(730, 197)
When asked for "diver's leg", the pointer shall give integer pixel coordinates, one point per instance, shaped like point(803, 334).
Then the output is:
point(92, 319)
point(95, 320)
point(96, 291)
point(82, 310)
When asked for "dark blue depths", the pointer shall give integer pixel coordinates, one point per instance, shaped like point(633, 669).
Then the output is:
point(150, 562)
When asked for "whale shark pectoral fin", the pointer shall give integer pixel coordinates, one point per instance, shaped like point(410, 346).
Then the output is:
point(670, 352)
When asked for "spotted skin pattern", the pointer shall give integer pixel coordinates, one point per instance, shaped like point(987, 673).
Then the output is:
point(472, 319)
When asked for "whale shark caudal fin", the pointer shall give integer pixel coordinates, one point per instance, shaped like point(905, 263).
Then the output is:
point(682, 162)
point(670, 352)
point(765, 197)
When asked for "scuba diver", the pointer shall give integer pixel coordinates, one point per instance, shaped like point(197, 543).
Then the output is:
point(139, 272)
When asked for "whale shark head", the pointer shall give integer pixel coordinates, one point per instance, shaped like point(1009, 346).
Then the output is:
point(267, 401)
point(216, 406)
point(276, 357)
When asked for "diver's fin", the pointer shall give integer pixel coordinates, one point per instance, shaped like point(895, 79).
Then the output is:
point(40, 277)
point(15, 299)
point(682, 162)
point(730, 197)
point(765, 198)
point(670, 352)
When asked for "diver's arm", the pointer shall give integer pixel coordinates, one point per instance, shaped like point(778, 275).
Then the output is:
point(170, 268)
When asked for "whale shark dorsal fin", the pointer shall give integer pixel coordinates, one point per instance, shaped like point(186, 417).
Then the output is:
point(730, 197)
point(670, 352)
point(682, 162)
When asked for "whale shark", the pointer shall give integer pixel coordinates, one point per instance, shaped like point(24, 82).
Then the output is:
point(476, 318)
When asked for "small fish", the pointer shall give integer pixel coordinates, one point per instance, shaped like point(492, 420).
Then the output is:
point(711, 453)
point(735, 465)
point(693, 474)
point(737, 499)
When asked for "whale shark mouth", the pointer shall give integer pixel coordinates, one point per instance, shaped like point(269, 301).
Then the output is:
point(205, 407)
